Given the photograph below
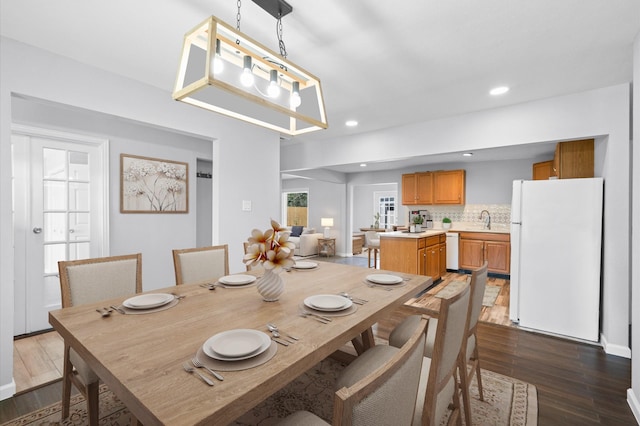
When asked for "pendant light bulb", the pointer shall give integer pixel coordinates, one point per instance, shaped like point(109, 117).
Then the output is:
point(273, 90)
point(218, 65)
point(295, 99)
point(246, 78)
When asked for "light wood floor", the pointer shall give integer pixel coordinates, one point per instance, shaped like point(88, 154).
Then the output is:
point(37, 360)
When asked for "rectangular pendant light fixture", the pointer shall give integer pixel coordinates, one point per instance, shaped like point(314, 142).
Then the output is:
point(225, 71)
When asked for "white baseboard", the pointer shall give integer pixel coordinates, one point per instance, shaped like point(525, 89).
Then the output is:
point(633, 404)
point(617, 350)
point(8, 390)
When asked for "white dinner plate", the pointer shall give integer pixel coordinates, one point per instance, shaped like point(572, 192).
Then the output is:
point(236, 345)
point(384, 279)
point(239, 279)
point(328, 302)
point(148, 301)
point(305, 265)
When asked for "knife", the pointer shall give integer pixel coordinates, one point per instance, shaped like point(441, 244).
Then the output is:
point(283, 343)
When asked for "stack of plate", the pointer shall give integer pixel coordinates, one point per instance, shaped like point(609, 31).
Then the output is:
point(328, 302)
point(148, 301)
point(236, 345)
point(305, 265)
point(237, 280)
point(384, 279)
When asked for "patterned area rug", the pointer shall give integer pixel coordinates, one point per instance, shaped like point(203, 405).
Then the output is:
point(490, 292)
point(507, 402)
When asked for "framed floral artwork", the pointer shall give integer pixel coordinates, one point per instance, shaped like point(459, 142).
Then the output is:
point(152, 185)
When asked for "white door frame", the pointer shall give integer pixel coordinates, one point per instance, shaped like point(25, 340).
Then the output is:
point(21, 211)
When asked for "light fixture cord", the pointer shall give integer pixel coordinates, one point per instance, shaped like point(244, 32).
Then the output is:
point(238, 18)
point(283, 48)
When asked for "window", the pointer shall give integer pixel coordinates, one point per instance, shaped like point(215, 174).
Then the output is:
point(295, 208)
point(385, 204)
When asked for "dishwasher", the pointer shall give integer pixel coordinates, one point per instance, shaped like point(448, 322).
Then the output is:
point(452, 251)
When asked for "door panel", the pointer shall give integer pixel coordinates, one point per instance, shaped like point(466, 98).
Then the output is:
point(59, 215)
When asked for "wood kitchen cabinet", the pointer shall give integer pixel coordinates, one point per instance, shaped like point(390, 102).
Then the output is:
point(417, 188)
point(422, 256)
point(476, 247)
point(574, 159)
point(439, 187)
point(448, 187)
point(543, 170)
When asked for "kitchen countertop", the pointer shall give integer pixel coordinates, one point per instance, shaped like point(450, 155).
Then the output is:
point(462, 227)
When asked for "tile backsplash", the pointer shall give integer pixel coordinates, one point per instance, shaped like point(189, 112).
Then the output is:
point(469, 213)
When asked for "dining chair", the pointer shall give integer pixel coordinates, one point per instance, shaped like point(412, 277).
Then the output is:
point(470, 356)
point(469, 351)
point(245, 246)
point(379, 387)
point(89, 281)
point(372, 242)
point(438, 392)
point(200, 264)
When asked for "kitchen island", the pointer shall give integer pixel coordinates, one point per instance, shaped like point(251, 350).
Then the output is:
point(423, 253)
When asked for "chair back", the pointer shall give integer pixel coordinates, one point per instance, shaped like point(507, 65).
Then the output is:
point(200, 264)
point(372, 239)
point(478, 286)
point(450, 335)
point(93, 280)
point(387, 394)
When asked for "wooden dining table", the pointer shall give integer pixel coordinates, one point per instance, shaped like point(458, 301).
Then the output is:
point(140, 357)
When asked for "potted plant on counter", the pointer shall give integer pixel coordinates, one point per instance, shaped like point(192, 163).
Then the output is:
point(446, 223)
point(417, 223)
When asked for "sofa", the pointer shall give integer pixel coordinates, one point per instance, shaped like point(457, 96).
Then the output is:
point(305, 239)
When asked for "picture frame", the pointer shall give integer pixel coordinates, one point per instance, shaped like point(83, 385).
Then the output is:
point(153, 185)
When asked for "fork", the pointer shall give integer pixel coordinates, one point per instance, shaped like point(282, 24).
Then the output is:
point(196, 363)
point(304, 311)
point(189, 369)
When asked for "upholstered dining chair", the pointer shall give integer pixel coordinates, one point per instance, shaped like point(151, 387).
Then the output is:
point(438, 392)
point(200, 264)
point(477, 284)
point(89, 281)
point(379, 387)
point(372, 242)
point(470, 356)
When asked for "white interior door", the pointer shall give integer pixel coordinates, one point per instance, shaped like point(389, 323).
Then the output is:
point(59, 214)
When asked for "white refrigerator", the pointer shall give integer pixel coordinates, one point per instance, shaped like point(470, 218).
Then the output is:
point(556, 239)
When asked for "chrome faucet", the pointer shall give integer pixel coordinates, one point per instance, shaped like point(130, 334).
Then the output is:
point(487, 222)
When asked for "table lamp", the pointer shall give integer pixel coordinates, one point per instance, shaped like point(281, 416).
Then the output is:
point(327, 222)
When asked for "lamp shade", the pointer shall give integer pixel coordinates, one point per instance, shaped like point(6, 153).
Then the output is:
point(326, 221)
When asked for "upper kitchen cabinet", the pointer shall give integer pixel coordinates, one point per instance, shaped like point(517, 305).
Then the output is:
point(440, 187)
point(417, 188)
point(574, 159)
point(543, 170)
point(448, 187)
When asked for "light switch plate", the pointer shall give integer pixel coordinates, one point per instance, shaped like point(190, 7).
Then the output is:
point(246, 205)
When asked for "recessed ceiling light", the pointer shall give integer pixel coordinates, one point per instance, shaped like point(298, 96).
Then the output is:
point(499, 90)
point(351, 123)
point(468, 154)
point(363, 164)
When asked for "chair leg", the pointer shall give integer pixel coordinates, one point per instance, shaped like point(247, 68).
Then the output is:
point(464, 389)
point(67, 371)
point(92, 403)
point(368, 258)
point(478, 375)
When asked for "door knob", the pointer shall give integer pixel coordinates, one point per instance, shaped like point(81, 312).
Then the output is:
point(37, 230)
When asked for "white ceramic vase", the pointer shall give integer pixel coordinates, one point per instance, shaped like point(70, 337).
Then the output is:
point(270, 286)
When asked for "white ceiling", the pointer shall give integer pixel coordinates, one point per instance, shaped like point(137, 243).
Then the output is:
point(382, 65)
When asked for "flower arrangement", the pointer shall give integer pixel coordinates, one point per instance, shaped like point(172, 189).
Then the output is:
point(270, 248)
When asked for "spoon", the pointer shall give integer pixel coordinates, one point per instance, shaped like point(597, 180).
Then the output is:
point(353, 299)
point(275, 332)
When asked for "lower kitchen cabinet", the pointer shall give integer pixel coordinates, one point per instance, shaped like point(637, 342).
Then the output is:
point(476, 247)
point(422, 256)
